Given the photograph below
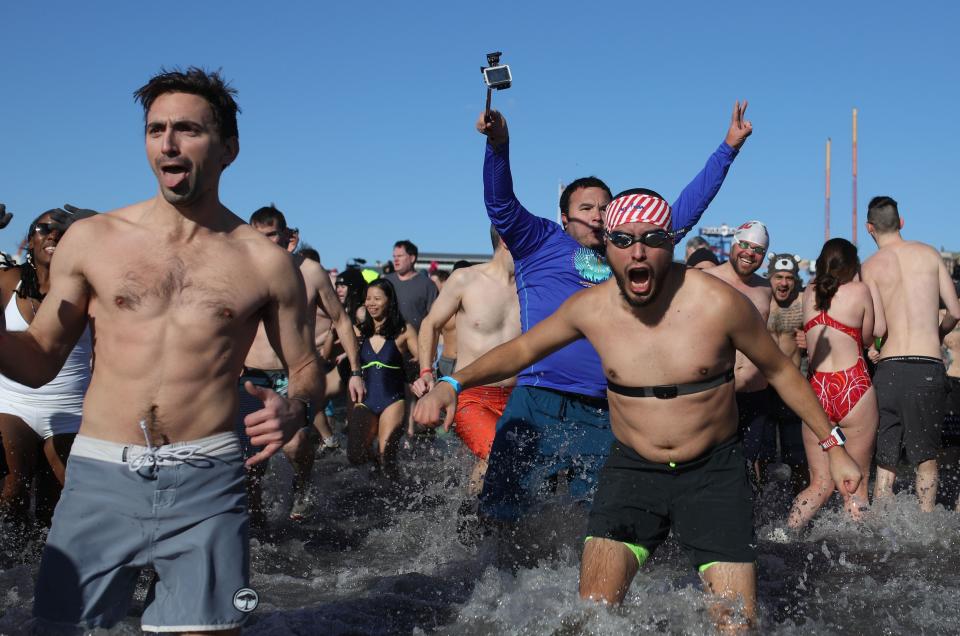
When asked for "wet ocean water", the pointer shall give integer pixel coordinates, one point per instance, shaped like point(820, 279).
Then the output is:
point(378, 558)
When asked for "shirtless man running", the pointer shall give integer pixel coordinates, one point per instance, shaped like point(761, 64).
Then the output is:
point(263, 367)
point(676, 462)
point(750, 243)
point(483, 299)
point(911, 383)
point(173, 289)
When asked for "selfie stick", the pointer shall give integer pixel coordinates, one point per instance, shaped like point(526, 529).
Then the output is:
point(486, 112)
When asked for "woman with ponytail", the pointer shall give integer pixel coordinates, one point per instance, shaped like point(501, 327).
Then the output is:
point(839, 317)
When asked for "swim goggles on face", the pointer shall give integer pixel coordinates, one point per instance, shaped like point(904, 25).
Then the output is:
point(652, 238)
point(756, 249)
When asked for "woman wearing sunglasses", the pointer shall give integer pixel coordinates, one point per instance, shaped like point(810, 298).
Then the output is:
point(38, 425)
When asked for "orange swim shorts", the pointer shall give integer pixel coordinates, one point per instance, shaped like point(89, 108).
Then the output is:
point(478, 410)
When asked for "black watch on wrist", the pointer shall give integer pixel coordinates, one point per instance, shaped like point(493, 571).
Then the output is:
point(356, 373)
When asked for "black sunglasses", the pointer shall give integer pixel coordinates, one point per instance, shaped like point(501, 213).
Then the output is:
point(43, 229)
point(651, 238)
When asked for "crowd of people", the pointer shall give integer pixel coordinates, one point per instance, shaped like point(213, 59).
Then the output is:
point(152, 359)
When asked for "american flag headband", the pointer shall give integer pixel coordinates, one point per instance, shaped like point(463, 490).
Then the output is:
point(638, 208)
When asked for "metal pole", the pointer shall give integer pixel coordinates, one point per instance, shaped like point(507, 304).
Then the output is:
point(854, 176)
point(826, 211)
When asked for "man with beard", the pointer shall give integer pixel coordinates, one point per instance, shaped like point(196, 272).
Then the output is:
point(173, 289)
point(785, 321)
point(912, 281)
point(750, 243)
point(676, 463)
point(557, 418)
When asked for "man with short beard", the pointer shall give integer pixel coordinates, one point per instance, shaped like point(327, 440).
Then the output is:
point(785, 321)
point(676, 464)
point(750, 242)
point(173, 289)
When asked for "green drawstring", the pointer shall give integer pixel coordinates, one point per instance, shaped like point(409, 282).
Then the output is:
point(379, 365)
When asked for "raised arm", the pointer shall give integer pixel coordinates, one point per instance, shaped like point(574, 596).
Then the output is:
point(748, 334)
point(504, 361)
point(521, 231)
point(328, 301)
point(444, 308)
point(35, 356)
point(693, 201)
point(289, 333)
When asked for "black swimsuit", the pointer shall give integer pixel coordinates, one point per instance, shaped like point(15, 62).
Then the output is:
point(383, 375)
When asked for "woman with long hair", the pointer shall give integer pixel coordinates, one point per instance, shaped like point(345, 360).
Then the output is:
point(838, 311)
point(38, 425)
point(386, 341)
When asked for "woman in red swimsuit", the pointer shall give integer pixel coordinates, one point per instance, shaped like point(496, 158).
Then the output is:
point(839, 316)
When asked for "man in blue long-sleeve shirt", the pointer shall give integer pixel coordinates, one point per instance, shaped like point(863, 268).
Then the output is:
point(557, 418)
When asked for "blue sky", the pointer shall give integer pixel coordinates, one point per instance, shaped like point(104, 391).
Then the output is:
point(358, 117)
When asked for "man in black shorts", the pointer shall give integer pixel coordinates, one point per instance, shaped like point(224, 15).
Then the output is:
point(911, 280)
point(676, 462)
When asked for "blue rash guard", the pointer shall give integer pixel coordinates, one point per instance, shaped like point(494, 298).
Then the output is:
point(551, 266)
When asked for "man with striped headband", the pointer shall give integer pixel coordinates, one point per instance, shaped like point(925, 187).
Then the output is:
point(667, 337)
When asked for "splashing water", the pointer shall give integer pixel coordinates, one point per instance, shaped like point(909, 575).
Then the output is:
point(378, 558)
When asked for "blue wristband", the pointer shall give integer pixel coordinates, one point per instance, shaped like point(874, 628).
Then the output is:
point(449, 380)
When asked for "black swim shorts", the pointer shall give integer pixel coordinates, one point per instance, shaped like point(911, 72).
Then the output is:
point(912, 395)
point(707, 503)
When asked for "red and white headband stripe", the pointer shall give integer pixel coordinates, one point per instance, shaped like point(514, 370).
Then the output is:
point(638, 208)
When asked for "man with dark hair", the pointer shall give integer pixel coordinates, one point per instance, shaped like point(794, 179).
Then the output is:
point(177, 285)
point(415, 291)
point(263, 367)
point(557, 418)
point(908, 280)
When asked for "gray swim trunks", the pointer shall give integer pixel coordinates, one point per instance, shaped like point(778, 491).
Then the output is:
point(180, 509)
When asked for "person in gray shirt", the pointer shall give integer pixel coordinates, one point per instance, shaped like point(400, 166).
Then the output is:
point(415, 291)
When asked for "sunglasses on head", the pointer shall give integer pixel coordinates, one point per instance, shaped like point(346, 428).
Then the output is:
point(756, 249)
point(43, 229)
point(651, 238)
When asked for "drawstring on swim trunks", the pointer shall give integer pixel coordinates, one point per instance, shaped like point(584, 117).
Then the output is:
point(155, 455)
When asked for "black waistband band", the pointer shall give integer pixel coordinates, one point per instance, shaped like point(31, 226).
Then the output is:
point(674, 467)
point(914, 359)
point(669, 391)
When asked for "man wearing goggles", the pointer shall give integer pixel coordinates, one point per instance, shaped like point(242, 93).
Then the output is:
point(750, 242)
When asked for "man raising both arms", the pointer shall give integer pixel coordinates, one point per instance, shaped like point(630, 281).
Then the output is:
point(750, 243)
point(911, 281)
point(676, 463)
point(173, 288)
point(263, 367)
point(557, 417)
point(483, 298)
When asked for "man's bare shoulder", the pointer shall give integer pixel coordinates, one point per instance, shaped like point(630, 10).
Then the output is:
point(313, 272)
point(713, 294)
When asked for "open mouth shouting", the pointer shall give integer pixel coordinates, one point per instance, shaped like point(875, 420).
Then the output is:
point(639, 280)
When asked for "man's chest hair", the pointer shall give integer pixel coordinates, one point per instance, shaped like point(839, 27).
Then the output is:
point(163, 279)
